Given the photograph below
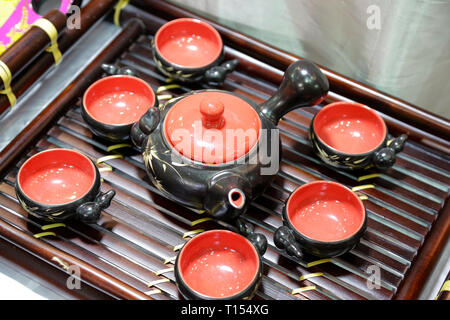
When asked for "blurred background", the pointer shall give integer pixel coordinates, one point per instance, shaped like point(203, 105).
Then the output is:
point(400, 47)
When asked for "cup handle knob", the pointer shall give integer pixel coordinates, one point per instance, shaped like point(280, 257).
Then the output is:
point(284, 239)
point(114, 70)
point(245, 228)
point(385, 157)
point(89, 212)
point(258, 240)
point(216, 75)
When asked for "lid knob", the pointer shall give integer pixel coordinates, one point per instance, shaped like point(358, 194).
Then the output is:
point(212, 112)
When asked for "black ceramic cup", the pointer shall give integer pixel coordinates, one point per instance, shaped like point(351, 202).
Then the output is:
point(191, 50)
point(350, 135)
point(322, 218)
point(58, 184)
point(219, 265)
point(113, 104)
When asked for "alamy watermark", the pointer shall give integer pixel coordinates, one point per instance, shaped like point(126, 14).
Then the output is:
point(373, 21)
point(74, 18)
point(73, 282)
point(227, 146)
point(374, 279)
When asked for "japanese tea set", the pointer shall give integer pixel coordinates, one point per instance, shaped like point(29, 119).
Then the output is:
point(193, 159)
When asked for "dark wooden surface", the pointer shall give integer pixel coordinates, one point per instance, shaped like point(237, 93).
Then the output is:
point(136, 236)
point(33, 42)
point(90, 14)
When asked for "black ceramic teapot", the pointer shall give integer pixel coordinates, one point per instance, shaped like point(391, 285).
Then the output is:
point(215, 150)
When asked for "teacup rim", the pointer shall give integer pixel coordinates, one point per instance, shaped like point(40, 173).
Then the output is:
point(179, 66)
point(358, 105)
point(234, 296)
point(312, 240)
point(84, 105)
point(95, 170)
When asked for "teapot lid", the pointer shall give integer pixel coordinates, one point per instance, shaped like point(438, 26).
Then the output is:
point(212, 127)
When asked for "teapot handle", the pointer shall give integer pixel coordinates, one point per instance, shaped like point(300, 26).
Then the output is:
point(303, 85)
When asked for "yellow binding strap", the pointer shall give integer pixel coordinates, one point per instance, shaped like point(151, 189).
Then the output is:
point(178, 247)
point(6, 76)
point(169, 260)
point(154, 283)
point(445, 287)
point(117, 9)
point(167, 87)
point(363, 196)
point(105, 169)
point(110, 157)
point(160, 272)
point(118, 146)
point(369, 176)
point(44, 234)
point(164, 97)
point(198, 221)
point(63, 264)
point(303, 289)
point(310, 275)
point(155, 291)
point(317, 262)
point(52, 33)
point(363, 187)
point(52, 226)
point(193, 232)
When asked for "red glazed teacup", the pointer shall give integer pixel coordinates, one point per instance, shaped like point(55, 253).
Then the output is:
point(350, 135)
point(219, 265)
point(322, 218)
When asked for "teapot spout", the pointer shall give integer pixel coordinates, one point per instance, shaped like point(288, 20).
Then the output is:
point(236, 198)
point(303, 85)
point(228, 197)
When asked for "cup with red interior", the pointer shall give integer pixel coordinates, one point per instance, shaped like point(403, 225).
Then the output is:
point(349, 135)
point(114, 103)
point(322, 218)
point(58, 184)
point(219, 265)
point(191, 50)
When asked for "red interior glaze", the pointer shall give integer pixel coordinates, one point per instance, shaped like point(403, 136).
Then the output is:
point(56, 176)
point(237, 198)
point(188, 43)
point(118, 99)
point(218, 263)
point(349, 127)
point(325, 211)
point(212, 127)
